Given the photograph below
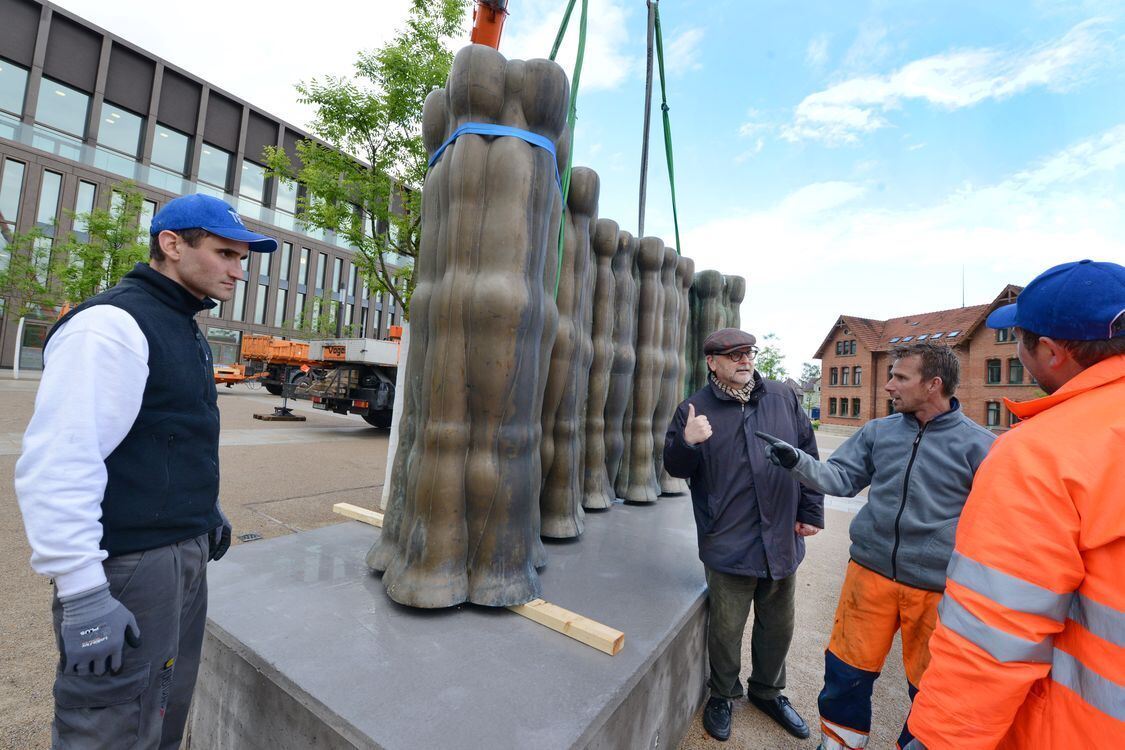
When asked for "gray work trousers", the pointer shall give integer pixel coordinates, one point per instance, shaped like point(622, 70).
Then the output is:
point(729, 600)
point(145, 704)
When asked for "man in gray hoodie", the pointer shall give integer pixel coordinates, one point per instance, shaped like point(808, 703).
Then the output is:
point(919, 463)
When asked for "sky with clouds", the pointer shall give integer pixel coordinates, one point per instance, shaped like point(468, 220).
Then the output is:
point(859, 157)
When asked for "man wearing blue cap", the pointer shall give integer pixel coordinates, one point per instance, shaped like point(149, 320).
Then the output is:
point(119, 482)
point(1029, 651)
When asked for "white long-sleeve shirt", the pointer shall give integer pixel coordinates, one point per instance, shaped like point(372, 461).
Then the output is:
point(95, 370)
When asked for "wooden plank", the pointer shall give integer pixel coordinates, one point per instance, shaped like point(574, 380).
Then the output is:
point(373, 517)
point(583, 629)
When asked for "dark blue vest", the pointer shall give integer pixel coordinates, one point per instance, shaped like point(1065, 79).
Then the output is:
point(164, 476)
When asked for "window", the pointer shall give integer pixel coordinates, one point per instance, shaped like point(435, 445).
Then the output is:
point(321, 271)
point(286, 258)
point(48, 201)
point(833, 376)
point(287, 196)
point(253, 184)
point(1004, 335)
point(992, 414)
point(239, 312)
point(224, 345)
point(260, 304)
point(855, 408)
point(144, 221)
point(279, 308)
point(13, 87)
point(299, 318)
point(923, 337)
point(890, 406)
point(214, 166)
point(907, 338)
point(992, 374)
point(264, 261)
point(62, 107)
point(858, 375)
point(170, 149)
point(120, 130)
point(936, 335)
point(845, 376)
point(951, 334)
point(1015, 371)
point(831, 406)
point(303, 267)
point(83, 205)
point(852, 349)
point(11, 188)
point(839, 347)
point(1013, 420)
point(337, 272)
point(895, 340)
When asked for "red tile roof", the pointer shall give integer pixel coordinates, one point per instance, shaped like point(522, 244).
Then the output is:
point(877, 335)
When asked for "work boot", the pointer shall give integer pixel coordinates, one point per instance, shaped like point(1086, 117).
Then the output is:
point(716, 718)
point(780, 710)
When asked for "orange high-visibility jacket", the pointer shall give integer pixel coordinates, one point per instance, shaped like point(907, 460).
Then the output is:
point(1029, 651)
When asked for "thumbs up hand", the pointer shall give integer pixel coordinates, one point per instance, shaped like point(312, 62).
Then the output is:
point(698, 427)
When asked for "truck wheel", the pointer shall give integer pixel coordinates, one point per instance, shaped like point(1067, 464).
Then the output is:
point(273, 389)
point(380, 419)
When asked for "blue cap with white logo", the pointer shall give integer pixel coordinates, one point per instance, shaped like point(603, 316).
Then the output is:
point(211, 214)
point(1079, 301)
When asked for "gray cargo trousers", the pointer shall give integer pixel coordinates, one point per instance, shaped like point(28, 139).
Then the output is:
point(145, 704)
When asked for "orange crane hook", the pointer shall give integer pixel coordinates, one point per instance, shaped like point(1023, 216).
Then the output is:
point(488, 22)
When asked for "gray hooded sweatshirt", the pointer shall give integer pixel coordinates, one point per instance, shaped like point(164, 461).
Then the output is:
point(920, 477)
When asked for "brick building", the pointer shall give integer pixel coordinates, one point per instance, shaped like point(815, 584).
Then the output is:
point(856, 361)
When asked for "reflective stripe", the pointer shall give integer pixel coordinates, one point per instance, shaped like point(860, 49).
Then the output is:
point(1101, 620)
point(828, 742)
point(1101, 693)
point(853, 740)
point(1008, 590)
point(1002, 646)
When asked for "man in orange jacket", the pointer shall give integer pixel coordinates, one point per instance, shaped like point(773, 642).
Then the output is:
point(1029, 651)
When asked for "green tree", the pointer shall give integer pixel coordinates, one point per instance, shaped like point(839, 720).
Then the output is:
point(769, 360)
point(362, 181)
point(25, 265)
point(809, 371)
point(112, 243)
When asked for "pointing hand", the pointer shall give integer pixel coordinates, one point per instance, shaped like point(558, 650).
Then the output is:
point(779, 452)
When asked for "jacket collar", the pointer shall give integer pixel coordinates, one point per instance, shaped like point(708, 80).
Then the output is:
point(1095, 376)
point(946, 417)
point(755, 392)
point(166, 290)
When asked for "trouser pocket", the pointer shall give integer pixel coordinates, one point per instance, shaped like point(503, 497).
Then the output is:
point(99, 711)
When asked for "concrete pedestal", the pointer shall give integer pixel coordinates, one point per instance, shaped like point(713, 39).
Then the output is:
point(305, 650)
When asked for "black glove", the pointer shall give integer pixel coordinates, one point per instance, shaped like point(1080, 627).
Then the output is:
point(95, 629)
point(779, 452)
point(219, 540)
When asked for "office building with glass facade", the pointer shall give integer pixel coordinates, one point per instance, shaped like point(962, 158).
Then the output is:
point(81, 110)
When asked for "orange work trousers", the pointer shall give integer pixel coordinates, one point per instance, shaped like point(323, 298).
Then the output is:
point(871, 610)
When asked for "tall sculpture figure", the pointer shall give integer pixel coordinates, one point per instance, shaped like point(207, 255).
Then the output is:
point(462, 518)
point(597, 491)
point(624, 356)
point(735, 292)
point(669, 383)
point(685, 270)
point(710, 317)
point(564, 402)
point(643, 485)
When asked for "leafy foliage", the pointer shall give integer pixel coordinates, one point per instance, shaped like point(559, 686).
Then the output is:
point(113, 242)
point(374, 116)
point(25, 262)
point(769, 360)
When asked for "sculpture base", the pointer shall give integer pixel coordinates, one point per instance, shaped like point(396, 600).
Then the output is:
point(305, 650)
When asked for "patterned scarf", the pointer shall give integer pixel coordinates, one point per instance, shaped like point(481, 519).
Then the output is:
point(742, 395)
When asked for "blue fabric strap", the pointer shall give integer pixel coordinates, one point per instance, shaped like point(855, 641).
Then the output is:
point(481, 128)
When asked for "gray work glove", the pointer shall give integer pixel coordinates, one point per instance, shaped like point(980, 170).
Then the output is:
point(914, 744)
point(95, 629)
point(779, 452)
point(219, 540)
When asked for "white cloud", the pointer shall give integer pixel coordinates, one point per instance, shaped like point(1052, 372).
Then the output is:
point(530, 32)
point(953, 80)
point(824, 249)
point(816, 55)
point(683, 52)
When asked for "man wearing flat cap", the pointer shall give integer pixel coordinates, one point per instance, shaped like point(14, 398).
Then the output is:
point(119, 482)
point(751, 518)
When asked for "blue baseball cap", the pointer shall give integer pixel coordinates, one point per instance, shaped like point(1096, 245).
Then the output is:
point(1079, 301)
point(204, 212)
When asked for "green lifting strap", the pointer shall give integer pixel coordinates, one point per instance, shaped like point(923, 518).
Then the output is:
point(667, 130)
point(572, 116)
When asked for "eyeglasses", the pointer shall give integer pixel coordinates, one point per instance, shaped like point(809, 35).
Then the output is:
point(747, 354)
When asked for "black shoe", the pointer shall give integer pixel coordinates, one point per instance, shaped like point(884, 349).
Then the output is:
point(716, 718)
point(780, 710)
